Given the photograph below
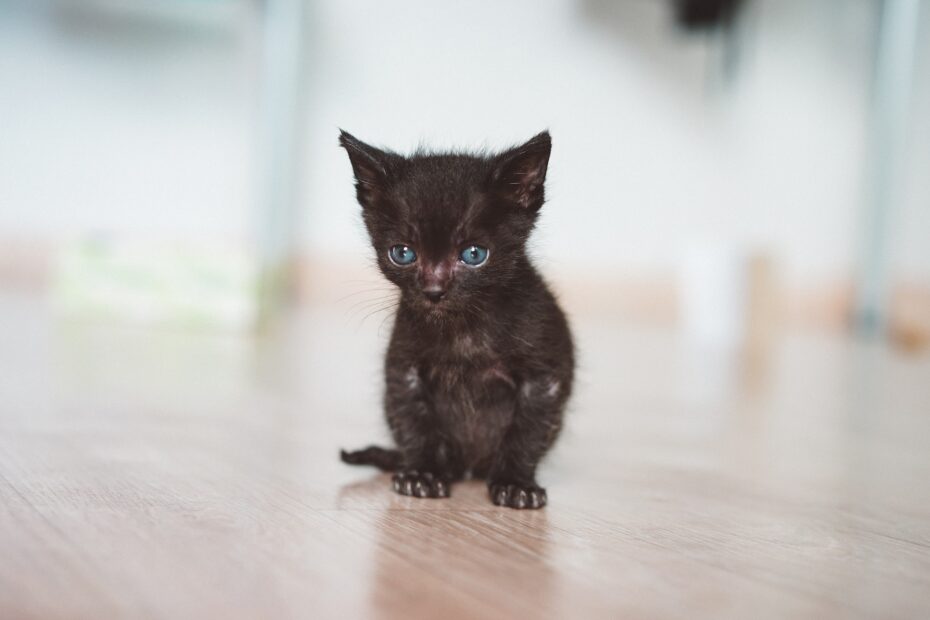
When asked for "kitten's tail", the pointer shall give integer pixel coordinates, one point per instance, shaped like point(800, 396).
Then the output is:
point(382, 458)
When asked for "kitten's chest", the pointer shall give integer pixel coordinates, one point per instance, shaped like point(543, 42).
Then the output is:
point(473, 393)
point(467, 365)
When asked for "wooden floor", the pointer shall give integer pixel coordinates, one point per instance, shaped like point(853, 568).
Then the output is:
point(173, 475)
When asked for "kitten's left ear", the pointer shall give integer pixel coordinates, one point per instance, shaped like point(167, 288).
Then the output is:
point(520, 173)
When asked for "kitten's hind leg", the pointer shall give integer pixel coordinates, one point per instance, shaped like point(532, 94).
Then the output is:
point(382, 458)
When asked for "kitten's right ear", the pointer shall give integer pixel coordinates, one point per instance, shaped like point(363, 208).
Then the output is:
point(372, 166)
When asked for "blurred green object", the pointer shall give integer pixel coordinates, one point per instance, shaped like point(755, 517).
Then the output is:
point(164, 283)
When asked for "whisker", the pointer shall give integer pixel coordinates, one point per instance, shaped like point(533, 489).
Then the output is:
point(386, 317)
point(358, 281)
point(363, 304)
point(388, 306)
point(367, 290)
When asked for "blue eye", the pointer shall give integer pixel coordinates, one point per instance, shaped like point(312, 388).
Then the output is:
point(402, 255)
point(474, 256)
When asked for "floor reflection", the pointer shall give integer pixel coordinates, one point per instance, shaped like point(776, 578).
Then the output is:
point(447, 555)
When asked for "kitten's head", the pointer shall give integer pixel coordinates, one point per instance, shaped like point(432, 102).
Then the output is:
point(450, 230)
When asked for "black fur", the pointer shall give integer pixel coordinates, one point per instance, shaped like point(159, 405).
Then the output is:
point(476, 382)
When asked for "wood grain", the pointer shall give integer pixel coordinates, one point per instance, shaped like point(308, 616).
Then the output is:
point(148, 474)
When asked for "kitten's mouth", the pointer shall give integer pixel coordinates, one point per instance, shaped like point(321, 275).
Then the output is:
point(433, 305)
point(435, 309)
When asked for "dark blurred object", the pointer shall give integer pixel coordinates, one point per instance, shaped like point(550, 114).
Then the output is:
point(704, 15)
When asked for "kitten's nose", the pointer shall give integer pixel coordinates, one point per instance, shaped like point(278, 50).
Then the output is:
point(434, 294)
point(435, 279)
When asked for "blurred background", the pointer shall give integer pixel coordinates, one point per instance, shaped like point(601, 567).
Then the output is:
point(729, 168)
point(191, 325)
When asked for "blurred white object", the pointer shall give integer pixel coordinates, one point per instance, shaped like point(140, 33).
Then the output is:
point(728, 297)
point(280, 129)
point(157, 283)
point(896, 53)
point(715, 292)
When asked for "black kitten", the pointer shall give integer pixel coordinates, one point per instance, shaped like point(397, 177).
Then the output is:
point(481, 361)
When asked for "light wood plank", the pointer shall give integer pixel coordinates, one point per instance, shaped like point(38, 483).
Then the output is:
point(188, 475)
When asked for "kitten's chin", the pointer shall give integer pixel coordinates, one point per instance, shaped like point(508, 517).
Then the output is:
point(435, 313)
point(432, 312)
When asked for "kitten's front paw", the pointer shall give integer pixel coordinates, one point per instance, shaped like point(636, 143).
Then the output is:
point(420, 484)
point(517, 495)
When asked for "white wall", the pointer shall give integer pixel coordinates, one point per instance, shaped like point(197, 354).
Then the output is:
point(151, 130)
point(652, 149)
point(121, 118)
